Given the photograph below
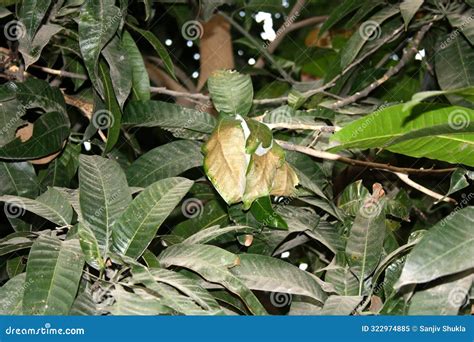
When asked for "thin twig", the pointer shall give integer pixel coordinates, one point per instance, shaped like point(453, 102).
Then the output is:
point(336, 157)
point(174, 93)
point(404, 177)
point(180, 74)
point(259, 47)
point(407, 56)
point(61, 73)
point(284, 30)
point(302, 126)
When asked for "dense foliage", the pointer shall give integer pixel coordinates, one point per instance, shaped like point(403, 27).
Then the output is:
point(160, 157)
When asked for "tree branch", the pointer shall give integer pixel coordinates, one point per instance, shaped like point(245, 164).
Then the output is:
point(404, 177)
point(407, 56)
point(288, 26)
point(336, 157)
point(260, 48)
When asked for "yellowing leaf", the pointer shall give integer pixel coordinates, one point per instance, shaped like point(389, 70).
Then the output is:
point(285, 181)
point(225, 160)
point(260, 175)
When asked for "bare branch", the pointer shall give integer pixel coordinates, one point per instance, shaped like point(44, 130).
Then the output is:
point(336, 157)
point(407, 56)
point(404, 177)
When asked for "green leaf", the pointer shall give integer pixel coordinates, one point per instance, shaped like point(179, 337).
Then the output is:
point(31, 49)
point(264, 273)
point(344, 281)
point(340, 305)
point(84, 305)
point(211, 263)
point(309, 174)
point(15, 266)
point(18, 179)
point(150, 259)
point(114, 113)
point(466, 93)
point(263, 211)
point(139, 302)
point(33, 93)
point(200, 217)
point(16, 242)
point(98, 22)
point(458, 181)
point(352, 198)
point(445, 249)
point(31, 15)
point(140, 79)
point(137, 226)
point(61, 170)
point(369, 30)
point(454, 66)
point(408, 9)
point(51, 205)
point(53, 273)
point(168, 295)
point(103, 195)
point(423, 131)
point(260, 136)
point(187, 286)
point(50, 131)
point(11, 112)
point(207, 235)
point(231, 92)
point(365, 242)
point(463, 22)
point(120, 69)
point(159, 48)
point(441, 299)
point(339, 13)
point(167, 116)
point(164, 161)
point(90, 247)
point(11, 296)
point(74, 64)
point(225, 160)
